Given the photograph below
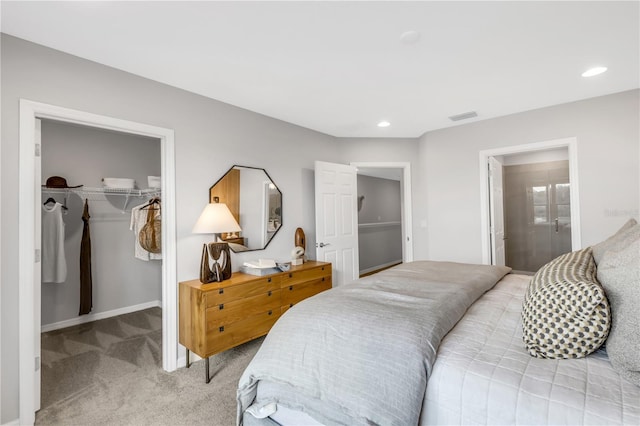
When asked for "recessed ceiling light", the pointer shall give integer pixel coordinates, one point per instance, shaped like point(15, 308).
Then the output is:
point(410, 37)
point(384, 124)
point(594, 71)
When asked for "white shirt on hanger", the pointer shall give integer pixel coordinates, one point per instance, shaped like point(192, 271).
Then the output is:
point(54, 263)
point(138, 220)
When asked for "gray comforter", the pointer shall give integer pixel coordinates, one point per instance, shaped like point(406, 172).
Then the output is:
point(363, 352)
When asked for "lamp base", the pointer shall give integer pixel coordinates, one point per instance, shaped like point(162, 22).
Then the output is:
point(219, 271)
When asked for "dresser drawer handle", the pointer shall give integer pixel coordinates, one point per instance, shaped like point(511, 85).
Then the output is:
point(270, 312)
point(221, 329)
point(221, 291)
point(221, 306)
point(322, 278)
point(290, 287)
point(268, 280)
point(290, 275)
point(322, 268)
point(269, 294)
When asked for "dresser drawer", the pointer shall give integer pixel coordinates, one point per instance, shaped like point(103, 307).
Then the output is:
point(296, 277)
point(226, 313)
point(254, 288)
point(224, 337)
point(295, 293)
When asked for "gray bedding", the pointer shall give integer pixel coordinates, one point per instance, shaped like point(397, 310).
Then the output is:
point(363, 352)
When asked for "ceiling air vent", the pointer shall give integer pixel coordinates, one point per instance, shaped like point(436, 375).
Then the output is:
point(463, 116)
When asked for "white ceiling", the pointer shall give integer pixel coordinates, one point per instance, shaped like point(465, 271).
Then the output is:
point(340, 67)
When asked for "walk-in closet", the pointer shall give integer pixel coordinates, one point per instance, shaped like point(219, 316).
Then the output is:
point(98, 270)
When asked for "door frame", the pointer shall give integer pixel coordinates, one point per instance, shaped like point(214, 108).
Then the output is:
point(28, 201)
point(485, 211)
point(405, 200)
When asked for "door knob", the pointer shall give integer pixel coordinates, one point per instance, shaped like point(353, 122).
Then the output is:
point(323, 245)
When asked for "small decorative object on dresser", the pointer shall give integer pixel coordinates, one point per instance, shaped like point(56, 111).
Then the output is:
point(221, 315)
point(297, 254)
point(300, 239)
point(215, 219)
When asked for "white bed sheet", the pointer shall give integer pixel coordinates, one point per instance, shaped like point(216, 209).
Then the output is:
point(482, 374)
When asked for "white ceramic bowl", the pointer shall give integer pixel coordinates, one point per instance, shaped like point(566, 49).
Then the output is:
point(119, 183)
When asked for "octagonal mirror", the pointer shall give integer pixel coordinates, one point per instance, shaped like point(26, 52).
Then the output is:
point(254, 201)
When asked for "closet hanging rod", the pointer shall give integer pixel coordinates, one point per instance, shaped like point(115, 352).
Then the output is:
point(100, 194)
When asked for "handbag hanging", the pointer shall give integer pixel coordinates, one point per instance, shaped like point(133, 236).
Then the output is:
point(150, 235)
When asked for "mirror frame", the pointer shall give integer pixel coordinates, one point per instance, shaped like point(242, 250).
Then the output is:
point(277, 189)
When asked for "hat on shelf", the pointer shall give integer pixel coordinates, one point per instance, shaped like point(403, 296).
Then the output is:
point(58, 182)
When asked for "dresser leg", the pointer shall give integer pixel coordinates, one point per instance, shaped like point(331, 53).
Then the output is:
point(206, 370)
point(188, 362)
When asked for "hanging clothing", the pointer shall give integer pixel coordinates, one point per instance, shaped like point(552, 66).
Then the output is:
point(54, 263)
point(138, 220)
point(86, 285)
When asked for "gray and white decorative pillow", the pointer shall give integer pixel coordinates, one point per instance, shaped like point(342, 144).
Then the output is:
point(619, 273)
point(565, 312)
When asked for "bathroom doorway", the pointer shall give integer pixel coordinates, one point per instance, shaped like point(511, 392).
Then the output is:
point(549, 197)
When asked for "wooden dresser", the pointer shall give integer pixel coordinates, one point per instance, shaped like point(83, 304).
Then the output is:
point(219, 316)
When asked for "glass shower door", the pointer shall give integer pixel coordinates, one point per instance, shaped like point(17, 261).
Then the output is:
point(537, 214)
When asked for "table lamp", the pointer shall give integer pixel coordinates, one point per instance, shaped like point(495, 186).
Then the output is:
point(216, 218)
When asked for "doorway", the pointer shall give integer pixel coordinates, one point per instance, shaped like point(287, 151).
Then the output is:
point(120, 276)
point(29, 200)
point(338, 229)
point(487, 213)
point(379, 219)
point(394, 172)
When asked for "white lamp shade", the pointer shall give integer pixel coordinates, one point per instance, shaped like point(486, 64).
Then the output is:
point(216, 218)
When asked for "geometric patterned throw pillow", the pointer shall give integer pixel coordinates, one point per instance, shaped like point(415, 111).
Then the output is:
point(565, 313)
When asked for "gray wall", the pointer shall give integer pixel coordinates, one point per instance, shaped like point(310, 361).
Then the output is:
point(84, 156)
point(210, 137)
point(379, 230)
point(607, 131)
point(405, 150)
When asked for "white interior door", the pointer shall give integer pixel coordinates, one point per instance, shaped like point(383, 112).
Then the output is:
point(497, 216)
point(37, 273)
point(337, 219)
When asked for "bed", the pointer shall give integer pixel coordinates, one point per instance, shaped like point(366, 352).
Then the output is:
point(425, 343)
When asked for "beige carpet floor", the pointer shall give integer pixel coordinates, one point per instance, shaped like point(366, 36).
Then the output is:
point(109, 372)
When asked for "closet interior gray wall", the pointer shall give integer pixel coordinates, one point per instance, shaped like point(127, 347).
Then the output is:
point(379, 223)
point(85, 155)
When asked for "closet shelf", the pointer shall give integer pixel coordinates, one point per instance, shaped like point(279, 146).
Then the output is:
point(100, 194)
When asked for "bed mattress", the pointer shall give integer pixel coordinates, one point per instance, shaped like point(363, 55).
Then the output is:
point(482, 375)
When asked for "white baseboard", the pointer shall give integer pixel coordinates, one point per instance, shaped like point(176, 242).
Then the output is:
point(384, 265)
point(15, 422)
point(100, 315)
